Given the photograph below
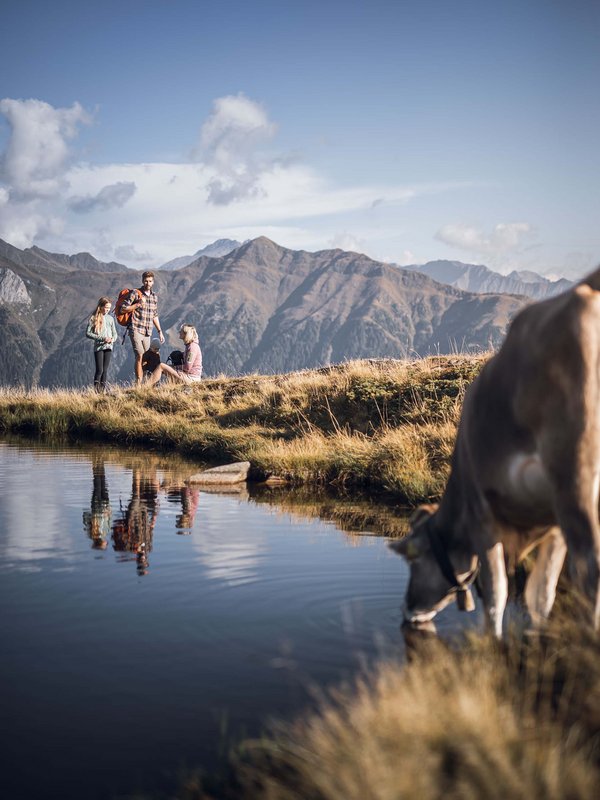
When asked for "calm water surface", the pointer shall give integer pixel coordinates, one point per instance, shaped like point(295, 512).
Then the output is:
point(146, 627)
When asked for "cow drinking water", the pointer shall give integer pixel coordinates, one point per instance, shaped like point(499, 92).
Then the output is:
point(524, 473)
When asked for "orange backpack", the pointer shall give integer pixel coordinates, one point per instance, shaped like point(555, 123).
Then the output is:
point(126, 298)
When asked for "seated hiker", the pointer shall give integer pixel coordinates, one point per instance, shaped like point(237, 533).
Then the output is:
point(151, 358)
point(191, 369)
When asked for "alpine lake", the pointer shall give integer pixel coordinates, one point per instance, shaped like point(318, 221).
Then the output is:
point(149, 627)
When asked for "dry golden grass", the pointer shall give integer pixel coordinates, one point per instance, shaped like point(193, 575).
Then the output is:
point(479, 721)
point(383, 424)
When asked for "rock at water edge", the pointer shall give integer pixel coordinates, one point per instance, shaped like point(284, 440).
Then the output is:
point(227, 474)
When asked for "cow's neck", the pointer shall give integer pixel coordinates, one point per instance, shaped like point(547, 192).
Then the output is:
point(459, 515)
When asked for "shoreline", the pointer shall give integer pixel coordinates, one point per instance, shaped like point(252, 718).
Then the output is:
point(380, 425)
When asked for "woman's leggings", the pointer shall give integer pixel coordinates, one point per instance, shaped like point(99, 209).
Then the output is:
point(102, 361)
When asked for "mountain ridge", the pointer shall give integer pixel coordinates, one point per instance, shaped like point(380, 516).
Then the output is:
point(260, 308)
point(479, 278)
point(218, 248)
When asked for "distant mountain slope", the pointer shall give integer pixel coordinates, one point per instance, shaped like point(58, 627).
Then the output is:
point(480, 279)
point(221, 247)
point(261, 307)
point(36, 257)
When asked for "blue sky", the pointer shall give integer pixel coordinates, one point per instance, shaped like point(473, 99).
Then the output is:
point(141, 131)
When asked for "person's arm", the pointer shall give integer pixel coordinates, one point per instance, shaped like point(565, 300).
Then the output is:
point(113, 329)
point(91, 333)
point(156, 322)
point(132, 307)
point(188, 358)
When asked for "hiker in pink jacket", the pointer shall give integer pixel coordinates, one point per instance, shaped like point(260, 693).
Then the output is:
point(190, 370)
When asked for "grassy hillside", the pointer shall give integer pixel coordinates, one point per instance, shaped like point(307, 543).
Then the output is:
point(385, 425)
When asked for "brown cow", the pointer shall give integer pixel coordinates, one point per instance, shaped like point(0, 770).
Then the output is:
point(525, 469)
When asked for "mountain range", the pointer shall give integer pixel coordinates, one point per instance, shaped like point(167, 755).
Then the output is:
point(477, 278)
point(258, 308)
point(221, 247)
point(36, 257)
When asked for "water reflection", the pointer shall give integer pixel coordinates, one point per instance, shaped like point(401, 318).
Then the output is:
point(132, 530)
point(356, 514)
point(188, 497)
point(130, 525)
point(261, 603)
point(97, 520)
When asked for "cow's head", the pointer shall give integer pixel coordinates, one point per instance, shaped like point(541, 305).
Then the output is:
point(433, 583)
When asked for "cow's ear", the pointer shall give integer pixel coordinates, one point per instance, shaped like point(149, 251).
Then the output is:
point(421, 513)
point(407, 547)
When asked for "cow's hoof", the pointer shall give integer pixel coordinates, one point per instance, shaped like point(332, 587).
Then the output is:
point(416, 634)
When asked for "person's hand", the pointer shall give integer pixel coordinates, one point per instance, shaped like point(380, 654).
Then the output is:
point(161, 337)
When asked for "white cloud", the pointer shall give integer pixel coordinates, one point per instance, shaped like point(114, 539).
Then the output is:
point(346, 241)
point(37, 152)
point(33, 167)
point(229, 143)
point(168, 217)
point(406, 259)
point(153, 212)
point(505, 237)
point(22, 223)
point(113, 196)
point(127, 252)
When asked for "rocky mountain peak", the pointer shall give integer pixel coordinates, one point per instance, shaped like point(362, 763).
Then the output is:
point(262, 248)
point(12, 288)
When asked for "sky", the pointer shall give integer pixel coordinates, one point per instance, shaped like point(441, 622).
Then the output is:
point(410, 130)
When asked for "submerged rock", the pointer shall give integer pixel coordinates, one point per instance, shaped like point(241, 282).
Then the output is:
point(276, 480)
point(227, 474)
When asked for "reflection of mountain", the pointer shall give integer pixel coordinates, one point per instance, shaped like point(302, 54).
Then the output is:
point(260, 308)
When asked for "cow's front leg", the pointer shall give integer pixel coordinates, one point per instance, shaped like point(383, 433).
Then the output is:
point(493, 583)
point(540, 591)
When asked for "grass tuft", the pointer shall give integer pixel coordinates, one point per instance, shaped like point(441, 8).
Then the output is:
point(477, 721)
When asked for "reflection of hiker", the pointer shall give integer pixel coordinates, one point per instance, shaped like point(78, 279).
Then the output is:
point(188, 496)
point(151, 358)
point(191, 369)
point(102, 329)
point(132, 533)
point(189, 505)
point(97, 520)
point(143, 319)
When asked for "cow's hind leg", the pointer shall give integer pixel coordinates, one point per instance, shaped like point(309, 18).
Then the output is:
point(576, 484)
point(582, 534)
point(540, 590)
